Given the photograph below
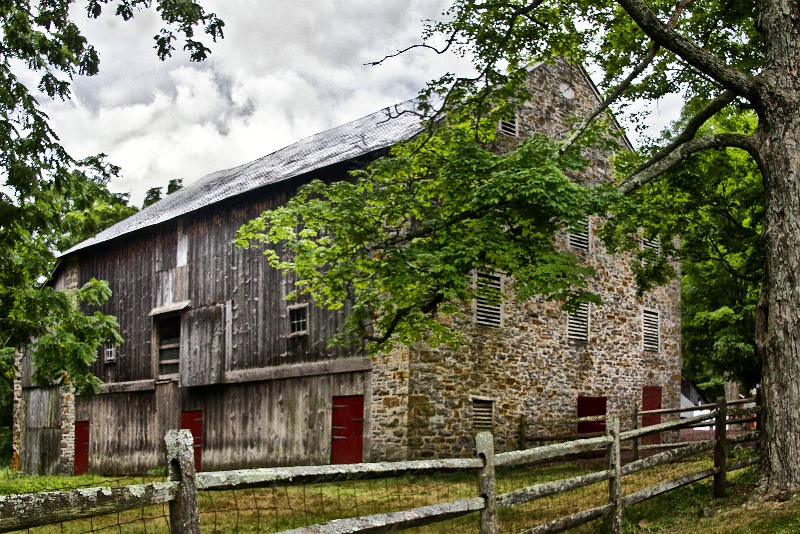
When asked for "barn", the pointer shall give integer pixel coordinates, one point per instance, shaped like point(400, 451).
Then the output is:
point(212, 345)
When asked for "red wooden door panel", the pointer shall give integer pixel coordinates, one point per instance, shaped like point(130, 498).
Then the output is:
point(81, 447)
point(588, 406)
point(348, 430)
point(193, 421)
point(651, 400)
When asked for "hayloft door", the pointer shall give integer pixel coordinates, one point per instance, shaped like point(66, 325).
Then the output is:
point(193, 421)
point(348, 430)
point(651, 400)
point(81, 447)
point(588, 406)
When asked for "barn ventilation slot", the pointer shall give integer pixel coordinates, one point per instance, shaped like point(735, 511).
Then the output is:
point(509, 126)
point(651, 339)
point(579, 235)
point(489, 300)
point(482, 414)
point(578, 324)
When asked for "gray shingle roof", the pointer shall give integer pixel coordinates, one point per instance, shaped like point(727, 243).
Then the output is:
point(356, 138)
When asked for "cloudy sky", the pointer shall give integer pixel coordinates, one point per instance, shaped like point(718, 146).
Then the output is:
point(285, 70)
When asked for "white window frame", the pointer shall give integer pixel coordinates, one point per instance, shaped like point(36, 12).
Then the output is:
point(296, 307)
point(486, 313)
point(648, 316)
point(579, 324)
point(109, 353)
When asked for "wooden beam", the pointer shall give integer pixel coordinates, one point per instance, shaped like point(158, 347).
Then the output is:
point(393, 521)
point(667, 457)
point(127, 387)
point(638, 432)
point(340, 365)
point(547, 452)
point(652, 491)
point(571, 521)
point(545, 489)
point(224, 480)
point(30, 510)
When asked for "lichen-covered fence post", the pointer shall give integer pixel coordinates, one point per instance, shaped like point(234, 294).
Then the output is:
point(184, 515)
point(487, 483)
point(615, 466)
point(720, 447)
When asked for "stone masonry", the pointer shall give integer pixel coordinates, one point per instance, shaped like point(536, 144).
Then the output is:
point(528, 367)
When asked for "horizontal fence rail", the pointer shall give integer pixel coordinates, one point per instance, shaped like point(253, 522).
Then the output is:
point(180, 490)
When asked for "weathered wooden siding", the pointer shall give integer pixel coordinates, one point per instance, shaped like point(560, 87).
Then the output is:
point(255, 424)
point(41, 430)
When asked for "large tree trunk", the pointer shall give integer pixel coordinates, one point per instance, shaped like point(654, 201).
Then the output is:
point(778, 316)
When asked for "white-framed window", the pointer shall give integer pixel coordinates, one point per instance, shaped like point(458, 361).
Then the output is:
point(579, 235)
point(578, 324)
point(482, 413)
point(510, 126)
point(298, 320)
point(109, 353)
point(651, 330)
point(489, 299)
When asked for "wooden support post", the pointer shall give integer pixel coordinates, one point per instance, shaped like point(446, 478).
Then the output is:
point(487, 484)
point(615, 466)
point(720, 447)
point(635, 441)
point(522, 439)
point(184, 515)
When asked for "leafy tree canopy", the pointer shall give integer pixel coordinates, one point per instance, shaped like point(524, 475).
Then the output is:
point(49, 200)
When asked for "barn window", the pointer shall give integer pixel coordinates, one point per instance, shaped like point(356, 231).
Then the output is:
point(298, 320)
point(653, 244)
point(168, 329)
point(489, 299)
point(509, 126)
point(109, 353)
point(651, 338)
point(579, 235)
point(482, 414)
point(578, 324)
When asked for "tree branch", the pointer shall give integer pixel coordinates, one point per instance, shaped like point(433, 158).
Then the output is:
point(654, 169)
point(691, 128)
point(732, 79)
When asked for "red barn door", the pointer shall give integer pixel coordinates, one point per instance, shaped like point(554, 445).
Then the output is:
point(81, 447)
point(348, 430)
point(588, 406)
point(193, 421)
point(651, 400)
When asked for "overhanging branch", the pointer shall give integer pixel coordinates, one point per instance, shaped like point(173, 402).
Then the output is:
point(656, 168)
point(731, 78)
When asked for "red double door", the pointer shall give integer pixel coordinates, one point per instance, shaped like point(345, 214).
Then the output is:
point(193, 421)
point(651, 400)
point(348, 430)
point(81, 447)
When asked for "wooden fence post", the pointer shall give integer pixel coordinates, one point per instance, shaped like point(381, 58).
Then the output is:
point(635, 441)
point(487, 484)
point(615, 466)
point(720, 447)
point(184, 515)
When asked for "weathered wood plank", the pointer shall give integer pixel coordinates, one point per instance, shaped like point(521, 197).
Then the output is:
point(571, 521)
point(36, 509)
point(341, 365)
point(127, 387)
point(669, 425)
point(325, 473)
point(741, 465)
point(744, 438)
point(393, 521)
point(545, 489)
point(667, 457)
point(550, 451)
point(652, 491)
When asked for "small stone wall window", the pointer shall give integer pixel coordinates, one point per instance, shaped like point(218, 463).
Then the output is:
point(482, 414)
point(653, 244)
point(651, 330)
point(168, 331)
point(579, 235)
point(489, 299)
point(578, 324)
point(509, 126)
point(298, 320)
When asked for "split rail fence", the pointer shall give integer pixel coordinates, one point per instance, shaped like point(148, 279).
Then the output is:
point(180, 491)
